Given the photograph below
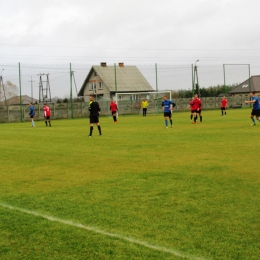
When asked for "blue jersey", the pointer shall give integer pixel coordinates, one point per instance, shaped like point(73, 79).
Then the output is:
point(256, 104)
point(31, 112)
point(167, 105)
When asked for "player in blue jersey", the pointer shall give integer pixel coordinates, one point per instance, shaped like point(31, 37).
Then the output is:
point(167, 106)
point(32, 114)
point(256, 108)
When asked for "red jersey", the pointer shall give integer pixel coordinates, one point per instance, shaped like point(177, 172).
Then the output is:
point(224, 102)
point(47, 111)
point(113, 106)
point(196, 104)
point(191, 105)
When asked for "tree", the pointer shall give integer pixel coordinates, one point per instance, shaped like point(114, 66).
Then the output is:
point(8, 90)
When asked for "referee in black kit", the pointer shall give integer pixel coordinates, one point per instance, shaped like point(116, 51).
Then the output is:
point(94, 111)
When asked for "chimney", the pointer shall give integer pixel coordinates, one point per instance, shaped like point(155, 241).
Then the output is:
point(121, 64)
point(103, 64)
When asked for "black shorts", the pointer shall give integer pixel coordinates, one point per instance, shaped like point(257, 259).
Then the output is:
point(223, 108)
point(255, 112)
point(47, 117)
point(93, 119)
point(194, 111)
point(31, 116)
point(113, 112)
point(167, 114)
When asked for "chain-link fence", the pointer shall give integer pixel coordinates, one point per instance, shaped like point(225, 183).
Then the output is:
point(17, 113)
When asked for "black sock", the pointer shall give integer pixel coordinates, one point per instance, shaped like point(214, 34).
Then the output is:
point(91, 130)
point(99, 129)
point(114, 117)
point(46, 123)
point(191, 116)
point(49, 123)
point(200, 118)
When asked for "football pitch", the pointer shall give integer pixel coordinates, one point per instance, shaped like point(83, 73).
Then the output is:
point(139, 191)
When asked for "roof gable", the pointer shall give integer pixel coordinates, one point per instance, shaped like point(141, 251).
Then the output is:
point(128, 79)
point(16, 100)
point(247, 86)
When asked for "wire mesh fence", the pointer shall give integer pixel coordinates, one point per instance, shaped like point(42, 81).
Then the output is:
point(17, 113)
point(62, 82)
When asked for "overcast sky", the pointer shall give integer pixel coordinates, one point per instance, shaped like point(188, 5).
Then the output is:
point(46, 36)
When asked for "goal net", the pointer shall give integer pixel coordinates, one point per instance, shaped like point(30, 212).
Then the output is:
point(130, 103)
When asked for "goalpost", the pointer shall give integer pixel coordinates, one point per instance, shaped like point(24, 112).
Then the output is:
point(130, 103)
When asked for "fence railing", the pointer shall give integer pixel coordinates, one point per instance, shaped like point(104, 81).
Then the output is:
point(17, 113)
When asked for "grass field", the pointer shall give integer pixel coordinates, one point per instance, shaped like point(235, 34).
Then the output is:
point(139, 191)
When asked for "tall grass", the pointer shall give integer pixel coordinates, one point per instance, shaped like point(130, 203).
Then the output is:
point(183, 192)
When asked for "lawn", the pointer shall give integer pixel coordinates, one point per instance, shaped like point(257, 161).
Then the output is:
point(139, 191)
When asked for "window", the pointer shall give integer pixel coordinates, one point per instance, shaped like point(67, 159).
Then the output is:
point(92, 86)
point(100, 85)
point(134, 97)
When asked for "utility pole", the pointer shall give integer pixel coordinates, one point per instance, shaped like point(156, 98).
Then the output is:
point(44, 92)
point(32, 88)
point(73, 76)
point(196, 79)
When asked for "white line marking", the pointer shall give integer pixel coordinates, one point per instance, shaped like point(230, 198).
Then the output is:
point(96, 230)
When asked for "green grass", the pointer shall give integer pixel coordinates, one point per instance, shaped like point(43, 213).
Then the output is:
point(192, 191)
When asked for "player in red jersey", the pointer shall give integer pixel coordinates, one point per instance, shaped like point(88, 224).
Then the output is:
point(224, 103)
point(113, 109)
point(197, 108)
point(47, 114)
point(191, 108)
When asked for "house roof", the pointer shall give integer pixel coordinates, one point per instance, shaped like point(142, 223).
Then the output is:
point(16, 100)
point(128, 78)
point(244, 87)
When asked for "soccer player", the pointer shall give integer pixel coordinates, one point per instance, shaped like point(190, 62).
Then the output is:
point(94, 111)
point(32, 114)
point(167, 106)
point(47, 114)
point(191, 108)
point(144, 105)
point(113, 109)
point(197, 108)
point(256, 108)
point(224, 103)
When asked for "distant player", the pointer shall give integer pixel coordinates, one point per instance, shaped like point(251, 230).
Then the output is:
point(114, 110)
point(224, 103)
point(144, 106)
point(191, 108)
point(197, 106)
point(256, 108)
point(94, 111)
point(167, 106)
point(47, 114)
point(32, 114)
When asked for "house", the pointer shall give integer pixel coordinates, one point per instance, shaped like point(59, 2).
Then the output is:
point(16, 100)
point(105, 81)
point(247, 86)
